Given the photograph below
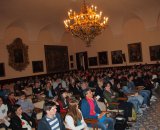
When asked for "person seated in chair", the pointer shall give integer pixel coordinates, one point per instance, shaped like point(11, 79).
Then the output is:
point(111, 97)
point(74, 119)
point(20, 120)
point(52, 120)
point(4, 120)
point(91, 110)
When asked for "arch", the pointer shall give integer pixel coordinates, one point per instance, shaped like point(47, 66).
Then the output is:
point(130, 17)
point(46, 34)
point(15, 29)
point(17, 23)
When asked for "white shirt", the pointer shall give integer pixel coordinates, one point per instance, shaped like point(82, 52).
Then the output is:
point(25, 124)
point(3, 111)
point(69, 122)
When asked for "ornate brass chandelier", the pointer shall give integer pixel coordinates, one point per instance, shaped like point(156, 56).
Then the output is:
point(87, 24)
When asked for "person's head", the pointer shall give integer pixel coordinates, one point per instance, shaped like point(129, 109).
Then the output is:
point(11, 95)
point(87, 93)
point(92, 78)
point(107, 86)
point(17, 109)
point(50, 108)
point(130, 77)
point(22, 95)
point(73, 104)
point(84, 84)
point(63, 94)
point(100, 82)
point(48, 85)
point(37, 84)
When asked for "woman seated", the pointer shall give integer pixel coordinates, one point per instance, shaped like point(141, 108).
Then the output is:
point(74, 119)
point(63, 101)
point(20, 120)
point(4, 123)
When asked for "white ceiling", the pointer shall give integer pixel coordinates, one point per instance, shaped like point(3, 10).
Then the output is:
point(55, 11)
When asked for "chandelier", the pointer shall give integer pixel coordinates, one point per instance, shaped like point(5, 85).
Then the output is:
point(87, 24)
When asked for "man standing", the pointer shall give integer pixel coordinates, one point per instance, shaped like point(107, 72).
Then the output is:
point(52, 120)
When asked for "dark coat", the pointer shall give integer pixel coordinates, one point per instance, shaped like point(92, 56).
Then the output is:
point(44, 125)
point(16, 123)
point(46, 92)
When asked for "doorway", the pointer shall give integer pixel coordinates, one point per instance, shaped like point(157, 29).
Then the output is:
point(82, 61)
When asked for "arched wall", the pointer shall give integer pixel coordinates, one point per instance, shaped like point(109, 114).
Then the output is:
point(133, 29)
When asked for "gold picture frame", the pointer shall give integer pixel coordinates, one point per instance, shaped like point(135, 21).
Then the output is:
point(18, 55)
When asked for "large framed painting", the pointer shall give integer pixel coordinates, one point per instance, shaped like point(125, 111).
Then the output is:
point(135, 52)
point(154, 52)
point(2, 70)
point(117, 57)
point(103, 58)
point(18, 55)
point(37, 66)
point(92, 61)
point(56, 58)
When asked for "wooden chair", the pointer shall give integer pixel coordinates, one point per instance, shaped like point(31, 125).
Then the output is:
point(115, 111)
point(92, 122)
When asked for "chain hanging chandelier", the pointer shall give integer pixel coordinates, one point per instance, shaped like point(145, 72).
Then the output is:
point(87, 24)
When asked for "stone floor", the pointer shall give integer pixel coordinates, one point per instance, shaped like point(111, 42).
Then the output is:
point(150, 119)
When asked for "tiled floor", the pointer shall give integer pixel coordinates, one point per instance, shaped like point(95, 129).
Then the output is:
point(150, 119)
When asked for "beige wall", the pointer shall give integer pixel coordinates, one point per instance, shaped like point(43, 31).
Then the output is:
point(130, 30)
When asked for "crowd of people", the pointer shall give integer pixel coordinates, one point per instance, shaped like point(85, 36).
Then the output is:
point(74, 96)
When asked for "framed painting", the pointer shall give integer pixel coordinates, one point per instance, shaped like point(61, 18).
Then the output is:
point(57, 59)
point(135, 52)
point(154, 53)
point(117, 57)
point(18, 55)
point(92, 61)
point(2, 70)
point(103, 58)
point(37, 66)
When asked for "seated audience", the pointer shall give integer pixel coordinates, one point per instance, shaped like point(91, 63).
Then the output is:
point(74, 119)
point(52, 120)
point(91, 110)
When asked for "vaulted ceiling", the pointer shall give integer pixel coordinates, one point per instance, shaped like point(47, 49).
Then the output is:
point(53, 12)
